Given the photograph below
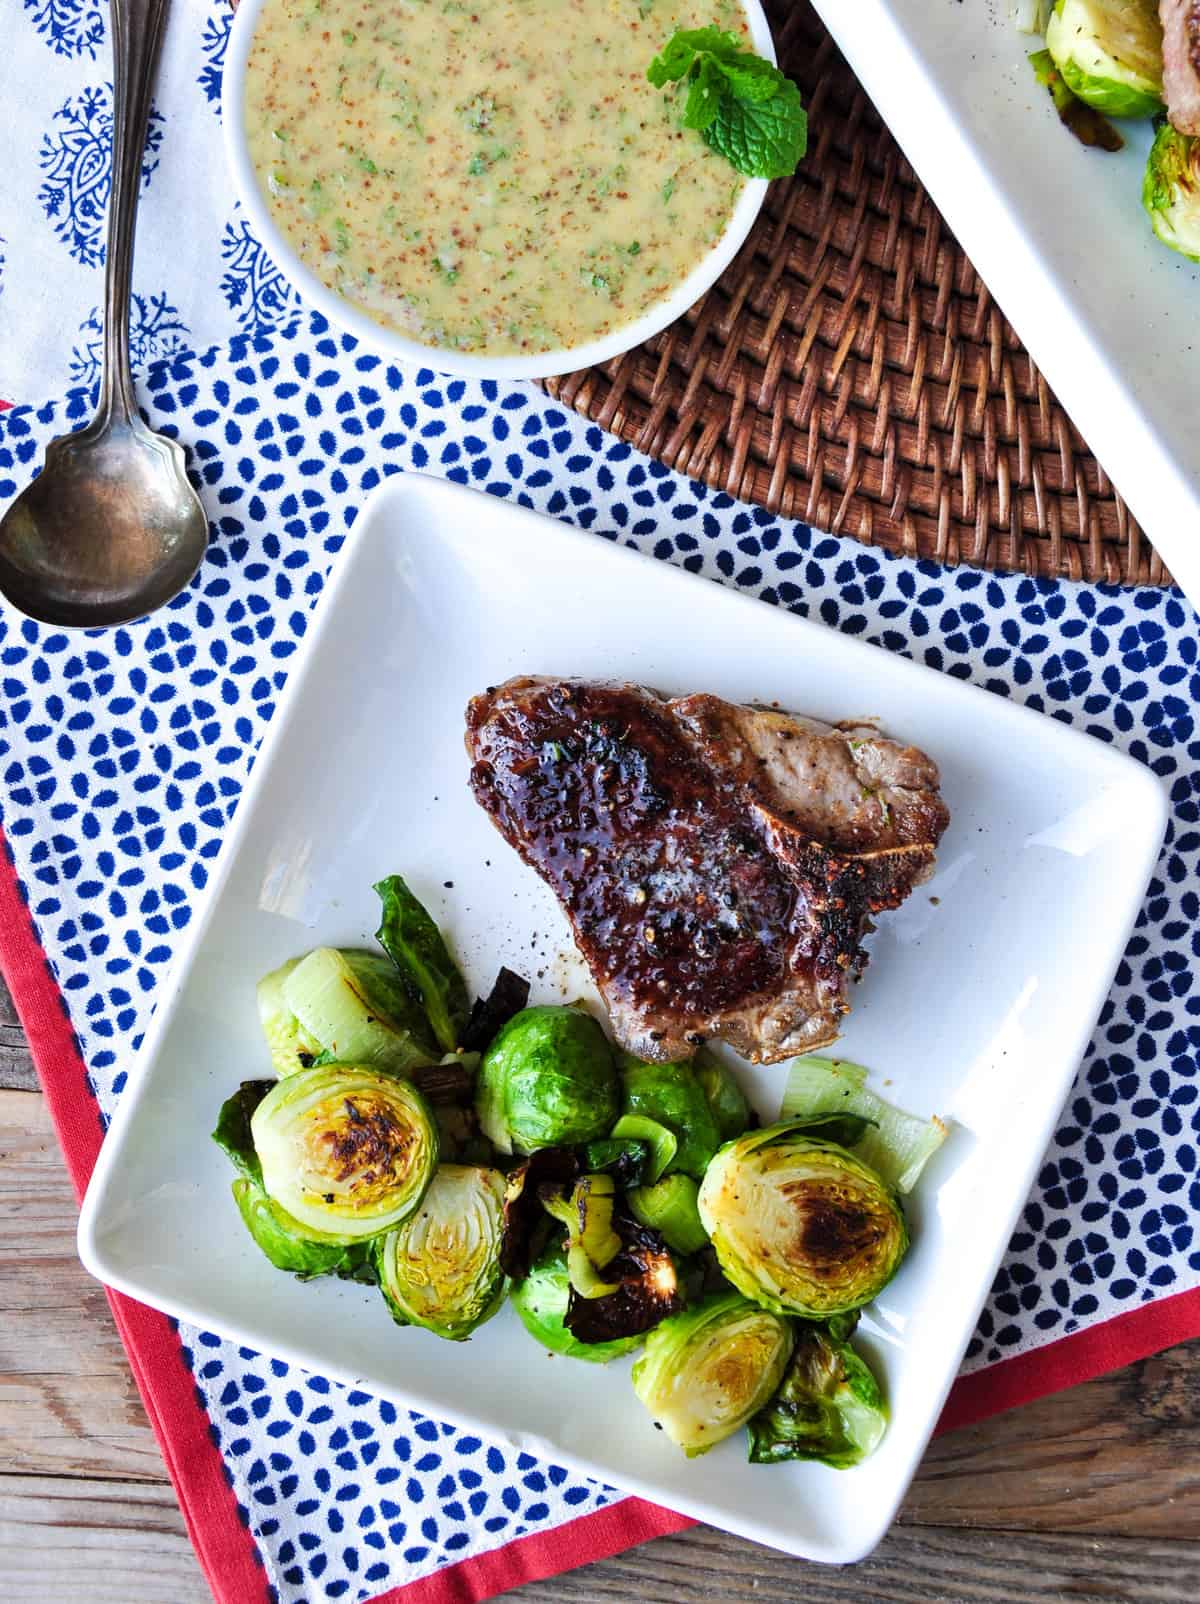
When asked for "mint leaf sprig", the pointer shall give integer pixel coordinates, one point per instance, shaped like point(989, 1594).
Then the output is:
point(743, 107)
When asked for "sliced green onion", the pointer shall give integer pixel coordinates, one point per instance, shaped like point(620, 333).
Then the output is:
point(669, 1207)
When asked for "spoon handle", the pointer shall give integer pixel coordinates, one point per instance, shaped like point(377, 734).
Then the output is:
point(137, 32)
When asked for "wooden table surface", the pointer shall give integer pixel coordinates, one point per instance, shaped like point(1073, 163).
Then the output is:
point(1092, 1495)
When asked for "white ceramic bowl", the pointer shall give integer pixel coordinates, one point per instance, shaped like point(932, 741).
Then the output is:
point(340, 311)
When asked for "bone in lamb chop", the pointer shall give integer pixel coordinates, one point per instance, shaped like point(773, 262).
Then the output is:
point(1181, 63)
point(719, 864)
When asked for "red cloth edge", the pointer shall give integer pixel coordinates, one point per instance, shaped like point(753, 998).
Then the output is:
point(224, 1546)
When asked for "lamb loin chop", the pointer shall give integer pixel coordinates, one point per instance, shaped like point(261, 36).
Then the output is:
point(1181, 63)
point(719, 863)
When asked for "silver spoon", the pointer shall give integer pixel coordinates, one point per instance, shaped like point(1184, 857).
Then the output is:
point(111, 528)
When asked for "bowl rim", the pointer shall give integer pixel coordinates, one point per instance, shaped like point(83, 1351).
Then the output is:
point(345, 315)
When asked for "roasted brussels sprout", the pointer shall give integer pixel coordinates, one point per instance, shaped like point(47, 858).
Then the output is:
point(441, 1268)
point(708, 1369)
point(288, 1248)
point(541, 1301)
point(828, 1406)
point(546, 1081)
point(417, 948)
point(669, 1207)
point(345, 1150)
point(670, 1094)
point(1171, 191)
point(896, 1145)
point(725, 1098)
point(800, 1224)
point(349, 1006)
point(1109, 53)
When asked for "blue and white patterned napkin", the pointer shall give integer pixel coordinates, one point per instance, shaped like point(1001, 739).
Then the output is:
point(123, 754)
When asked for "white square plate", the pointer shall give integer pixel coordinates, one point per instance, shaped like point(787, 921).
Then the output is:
point(1058, 234)
point(977, 1002)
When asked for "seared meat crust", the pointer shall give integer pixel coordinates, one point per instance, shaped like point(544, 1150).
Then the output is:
point(719, 864)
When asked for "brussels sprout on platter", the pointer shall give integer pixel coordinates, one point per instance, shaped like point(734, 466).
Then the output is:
point(828, 1406)
point(546, 1081)
point(289, 1044)
point(441, 1268)
point(540, 1300)
point(799, 1224)
point(1109, 53)
point(705, 1371)
point(285, 1245)
point(1171, 191)
point(418, 949)
point(670, 1095)
point(725, 1098)
point(345, 1150)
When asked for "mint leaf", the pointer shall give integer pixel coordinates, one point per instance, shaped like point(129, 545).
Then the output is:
point(761, 138)
point(704, 94)
point(742, 105)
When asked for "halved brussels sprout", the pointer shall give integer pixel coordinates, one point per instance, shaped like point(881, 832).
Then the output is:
point(418, 949)
point(670, 1094)
point(288, 1248)
point(351, 1004)
point(441, 1268)
point(1109, 53)
point(725, 1098)
point(800, 1224)
point(547, 1080)
point(1171, 191)
point(828, 1407)
point(669, 1207)
point(346, 1151)
point(708, 1369)
point(541, 1302)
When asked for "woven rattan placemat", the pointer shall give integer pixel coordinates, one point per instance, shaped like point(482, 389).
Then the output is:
point(851, 370)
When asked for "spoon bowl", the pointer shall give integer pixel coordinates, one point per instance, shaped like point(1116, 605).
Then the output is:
point(108, 531)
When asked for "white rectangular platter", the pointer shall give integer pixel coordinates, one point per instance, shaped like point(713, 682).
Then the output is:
point(1059, 236)
point(977, 1003)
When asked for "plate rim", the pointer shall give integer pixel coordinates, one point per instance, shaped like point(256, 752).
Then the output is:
point(386, 500)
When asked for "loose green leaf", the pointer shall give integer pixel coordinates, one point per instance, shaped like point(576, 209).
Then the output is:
point(233, 1135)
point(279, 1237)
point(415, 945)
point(897, 1145)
